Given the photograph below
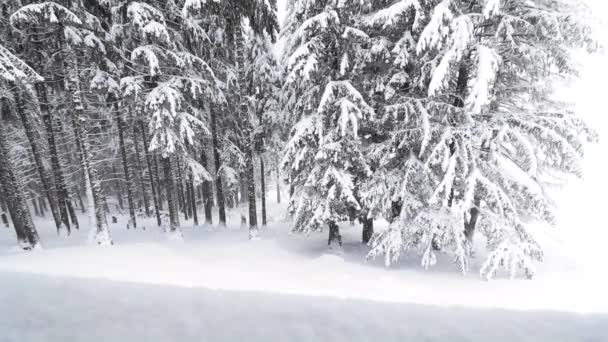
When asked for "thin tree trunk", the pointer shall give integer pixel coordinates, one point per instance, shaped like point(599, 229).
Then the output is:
point(171, 203)
point(15, 198)
point(45, 178)
point(246, 132)
point(41, 206)
point(58, 175)
point(193, 201)
point(368, 230)
point(81, 201)
point(152, 171)
point(142, 184)
point(206, 190)
point(278, 187)
point(263, 188)
point(36, 210)
point(118, 188)
point(218, 179)
point(180, 191)
point(334, 239)
point(125, 163)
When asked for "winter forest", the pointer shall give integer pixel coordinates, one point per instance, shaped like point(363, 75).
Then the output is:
point(408, 131)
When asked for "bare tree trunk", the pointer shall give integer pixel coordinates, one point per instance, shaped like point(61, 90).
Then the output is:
point(45, 178)
point(368, 230)
point(180, 191)
point(263, 188)
point(152, 172)
point(58, 175)
point(171, 203)
point(193, 206)
point(278, 187)
point(206, 189)
point(42, 206)
point(246, 132)
point(334, 237)
point(218, 179)
point(125, 162)
point(15, 198)
point(36, 210)
point(142, 183)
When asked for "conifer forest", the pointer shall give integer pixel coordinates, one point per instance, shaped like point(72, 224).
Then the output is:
point(379, 147)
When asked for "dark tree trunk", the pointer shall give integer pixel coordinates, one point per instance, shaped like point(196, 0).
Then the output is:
point(246, 132)
point(180, 191)
point(152, 172)
point(125, 162)
point(15, 198)
point(41, 206)
point(171, 203)
point(47, 119)
point(207, 191)
point(118, 189)
point(45, 178)
point(36, 210)
point(192, 196)
point(368, 230)
point(278, 187)
point(81, 201)
point(143, 184)
point(263, 188)
point(334, 239)
point(218, 179)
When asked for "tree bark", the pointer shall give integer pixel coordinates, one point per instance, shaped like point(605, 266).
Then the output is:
point(207, 191)
point(334, 239)
point(58, 174)
point(246, 131)
point(15, 198)
point(278, 187)
point(45, 178)
point(125, 162)
point(140, 167)
point(263, 188)
point(192, 196)
point(152, 172)
point(180, 190)
point(368, 230)
point(218, 179)
point(171, 203)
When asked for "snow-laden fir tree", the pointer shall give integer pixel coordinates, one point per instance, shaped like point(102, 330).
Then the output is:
point(488, 138)
point(324, 158)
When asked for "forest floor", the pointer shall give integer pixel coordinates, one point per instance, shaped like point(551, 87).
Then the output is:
point(217, 285)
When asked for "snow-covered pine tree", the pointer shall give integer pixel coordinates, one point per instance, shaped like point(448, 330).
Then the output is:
point(13, 70)
point(491, 137)
point(324, 158)
point(172, 78)
point(263, 80)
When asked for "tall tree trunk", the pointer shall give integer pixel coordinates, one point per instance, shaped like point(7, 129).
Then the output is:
point(118, 188)
point(243, 186)
point(120, 122)
point(171, 202)
point(192, 201)
point(246, 131)
point(41, 206)
point(334, 239)
point(95, 197)
point(36, 210)
point(152, 172)
point(180, 190)
point(278, 187)
point(34, 142)
point(15, 198)
point(47, 119)
point(218, 179)
point(81, 201)
point(140, 167)
point(368, 230)
point(207, 192)
point(263, 188)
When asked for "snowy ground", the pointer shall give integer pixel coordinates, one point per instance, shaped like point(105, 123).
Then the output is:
point(218, 286)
